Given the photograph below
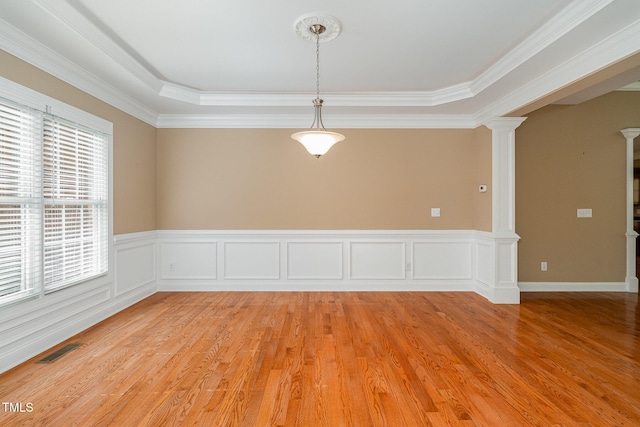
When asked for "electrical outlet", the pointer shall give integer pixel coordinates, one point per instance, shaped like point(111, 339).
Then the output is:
point(435, 212)
point(408, 267)
point(543, 266)
point(171, 267)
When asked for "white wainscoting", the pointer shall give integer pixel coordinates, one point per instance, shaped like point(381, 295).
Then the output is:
point(249, 260)
point(143, 263)
point(188, 260)
point(30, 327)
point(317, 260)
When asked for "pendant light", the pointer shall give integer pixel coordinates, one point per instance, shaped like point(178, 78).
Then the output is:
point(317, 140)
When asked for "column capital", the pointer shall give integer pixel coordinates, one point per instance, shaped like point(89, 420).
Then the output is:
point(630, 133)
point(505, 123)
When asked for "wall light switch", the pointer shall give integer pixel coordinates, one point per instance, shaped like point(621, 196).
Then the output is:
point(435, 212)
point(585, 213)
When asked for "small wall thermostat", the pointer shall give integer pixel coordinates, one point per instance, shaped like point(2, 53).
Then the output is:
point(482, 188)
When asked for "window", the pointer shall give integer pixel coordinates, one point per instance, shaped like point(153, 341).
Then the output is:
point(54, 202)
point(75, 191)
point(20, 200)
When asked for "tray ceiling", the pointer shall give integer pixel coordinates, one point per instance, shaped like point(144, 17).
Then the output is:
point(225, 63)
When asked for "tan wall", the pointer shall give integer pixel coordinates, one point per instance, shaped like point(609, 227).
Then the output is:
point(375, 179)
point(134, 150)
point(261, 179)
point(482, 162)
point(570, 157)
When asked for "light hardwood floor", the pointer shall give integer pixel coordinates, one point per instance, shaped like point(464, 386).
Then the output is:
point(344, 359)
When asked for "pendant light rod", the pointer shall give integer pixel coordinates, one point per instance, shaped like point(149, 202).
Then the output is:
point(317, 29)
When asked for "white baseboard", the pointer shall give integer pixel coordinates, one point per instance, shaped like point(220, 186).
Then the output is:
point(314, 286)
point(504, 295)
point(573, 286)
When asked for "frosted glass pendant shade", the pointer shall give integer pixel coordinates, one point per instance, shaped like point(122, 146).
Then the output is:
point(317, 142)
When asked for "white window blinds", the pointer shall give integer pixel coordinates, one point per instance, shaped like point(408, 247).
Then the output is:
point(54, 202)
point(20, 200)
point(76, 188)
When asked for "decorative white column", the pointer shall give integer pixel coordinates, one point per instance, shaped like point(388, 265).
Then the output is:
point(501, 283)
point(631, 280)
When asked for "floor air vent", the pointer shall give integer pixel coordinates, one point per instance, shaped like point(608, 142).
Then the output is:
point(58, 353)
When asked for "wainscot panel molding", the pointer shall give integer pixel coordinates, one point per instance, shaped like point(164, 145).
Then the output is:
point(324, 260)
point(27, 328)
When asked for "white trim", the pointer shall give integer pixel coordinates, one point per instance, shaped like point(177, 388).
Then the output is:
point(44, 103)
point(135, 238)
point(631, 235)
point(135, 262)
point(570, 17)
point(335, 272)
point(337, 121)
point(572, 286)
point(336, 99)
point(319, 257)
point(31, 327)
point(618, 46)
point(39, 101)
point(610, 50)
point(498, 283)
point(78, 23)
point(558, 26)
point(35, 53)
point(503, 295)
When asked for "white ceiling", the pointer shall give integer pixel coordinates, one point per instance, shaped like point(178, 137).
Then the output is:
point(406, 63)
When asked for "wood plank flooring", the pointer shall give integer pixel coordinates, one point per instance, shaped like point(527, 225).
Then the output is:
point(343, 359)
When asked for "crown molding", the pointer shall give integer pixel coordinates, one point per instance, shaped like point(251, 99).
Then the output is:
point(79, 23)
point(612, 49)
point(303, 99)
point(616, 47)
point(342, 121)
point(20, 45)
point(573, 15)
point(558, 26)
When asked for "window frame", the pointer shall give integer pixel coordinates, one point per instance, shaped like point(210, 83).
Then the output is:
point(30, 98)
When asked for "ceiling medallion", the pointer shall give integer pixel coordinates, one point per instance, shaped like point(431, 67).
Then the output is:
point(303, 26)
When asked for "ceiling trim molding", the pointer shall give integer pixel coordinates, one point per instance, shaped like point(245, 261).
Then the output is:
point(607, 51)
point(558, 26)
point(80, 24)
point(304, 99)
point(20, 45)
point(616, 47)
point(570, 17)
point(298, 121)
